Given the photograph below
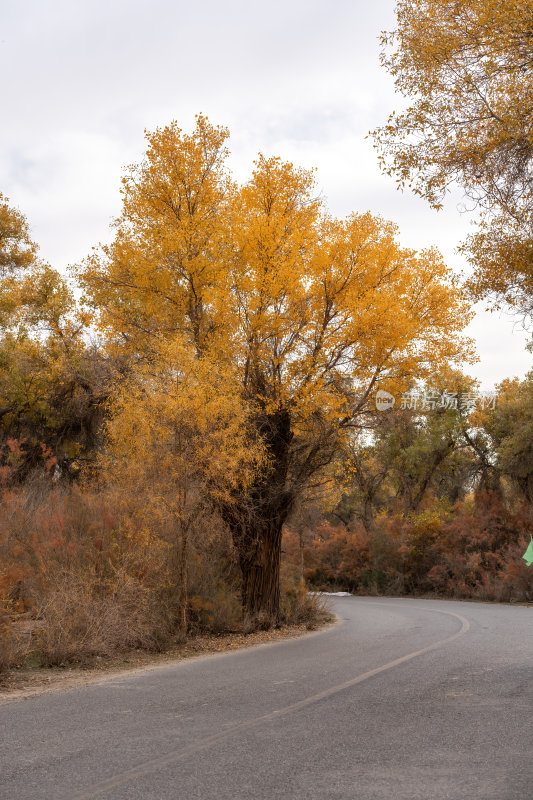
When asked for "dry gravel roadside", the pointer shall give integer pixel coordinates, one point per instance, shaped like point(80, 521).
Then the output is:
point(31, 681)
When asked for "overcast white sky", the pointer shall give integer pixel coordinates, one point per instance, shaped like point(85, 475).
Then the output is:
point(300, 79)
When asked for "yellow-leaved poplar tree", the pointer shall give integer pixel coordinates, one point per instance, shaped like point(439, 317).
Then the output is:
point(466, 67)
point(32, 294)
point(165, 265)
point(309, 313)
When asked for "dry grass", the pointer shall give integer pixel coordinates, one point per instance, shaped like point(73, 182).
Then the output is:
point(298, 607)
point(14, 644)
point(32, 680)
point(79, 620)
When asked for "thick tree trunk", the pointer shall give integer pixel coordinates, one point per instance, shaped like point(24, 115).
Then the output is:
point(256, 522)
point(261, 579)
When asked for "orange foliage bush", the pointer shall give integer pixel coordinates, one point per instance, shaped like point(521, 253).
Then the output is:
point(91, 573)
point(335, 557)
point(88, 581)
point(96, 574)
point(470, 551)
point(480, 551)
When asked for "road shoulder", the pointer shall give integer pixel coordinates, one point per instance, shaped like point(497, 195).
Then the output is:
point(32, 681)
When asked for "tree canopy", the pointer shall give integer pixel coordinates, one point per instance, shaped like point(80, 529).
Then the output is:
point(466, 67)
point(309, 312)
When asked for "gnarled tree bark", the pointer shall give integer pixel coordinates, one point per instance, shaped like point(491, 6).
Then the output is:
point(256, 520)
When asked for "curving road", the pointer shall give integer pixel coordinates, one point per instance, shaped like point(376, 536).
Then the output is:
point(403, 700)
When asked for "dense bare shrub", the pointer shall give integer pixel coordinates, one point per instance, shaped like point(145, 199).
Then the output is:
point(81, 618)
point(88, 569)
point(14, 644)
point(300, 607)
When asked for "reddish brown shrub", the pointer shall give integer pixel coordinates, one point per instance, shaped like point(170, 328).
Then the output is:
point(471, 550)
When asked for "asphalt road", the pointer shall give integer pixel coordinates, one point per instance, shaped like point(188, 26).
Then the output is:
point(403, 700)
